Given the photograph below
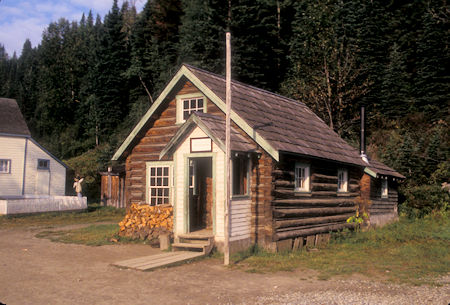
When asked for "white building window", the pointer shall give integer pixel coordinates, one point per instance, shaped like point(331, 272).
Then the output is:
point(5, 166)
point(43, 164)
point(189, 103)
point(302, 177)
point(384, 188)
point(342, 180)
point(159, 183)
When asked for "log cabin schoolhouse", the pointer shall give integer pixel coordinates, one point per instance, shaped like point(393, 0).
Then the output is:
point(293, 178)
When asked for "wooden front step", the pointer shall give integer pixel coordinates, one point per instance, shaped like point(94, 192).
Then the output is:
point(194, 242)
point(159, 260)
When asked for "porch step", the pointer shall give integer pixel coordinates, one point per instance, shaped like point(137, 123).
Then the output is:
point(194, 242)
point(199, 236)
point(189, 245)
point(159, 260)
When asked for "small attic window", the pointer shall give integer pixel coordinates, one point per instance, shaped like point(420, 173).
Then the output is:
point(189, 103)
point(43, 164)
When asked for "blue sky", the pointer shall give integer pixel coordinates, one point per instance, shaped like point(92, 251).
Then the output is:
point(22, 19)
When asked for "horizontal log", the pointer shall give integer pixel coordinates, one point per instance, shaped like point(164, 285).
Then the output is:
point(167, 130)
point(353, 181)
point(312, 231)
point(316, 177)
point(155, 139)
point(284, 183)
point(323, 186)
point(279, 173)
point(280, 213)
point(311, 221)
point(304, 227)
point(314, 202)
point(149, 148)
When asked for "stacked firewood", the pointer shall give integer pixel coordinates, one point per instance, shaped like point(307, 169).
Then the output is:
point(147, 222)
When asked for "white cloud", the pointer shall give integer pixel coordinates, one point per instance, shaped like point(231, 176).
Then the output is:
point(22, 19)
point(14, 33)
point(99, 6)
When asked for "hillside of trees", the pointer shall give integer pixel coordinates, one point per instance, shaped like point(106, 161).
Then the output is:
point(85, 86)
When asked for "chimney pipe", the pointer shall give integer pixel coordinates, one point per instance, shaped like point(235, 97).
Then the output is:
point(362, 146)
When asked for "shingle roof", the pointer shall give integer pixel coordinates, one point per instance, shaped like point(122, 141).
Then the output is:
point(288, 125)
point(217, 126)
point(383, 170)
point(11, 119)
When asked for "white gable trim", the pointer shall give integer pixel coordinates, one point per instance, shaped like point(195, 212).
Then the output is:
point(184, 71)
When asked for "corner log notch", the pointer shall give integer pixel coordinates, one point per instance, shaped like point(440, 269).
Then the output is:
point(321, 210)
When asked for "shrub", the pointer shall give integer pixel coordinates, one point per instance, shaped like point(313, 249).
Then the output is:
point(424, 199)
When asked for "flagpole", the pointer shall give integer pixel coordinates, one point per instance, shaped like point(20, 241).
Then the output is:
point(228, 151)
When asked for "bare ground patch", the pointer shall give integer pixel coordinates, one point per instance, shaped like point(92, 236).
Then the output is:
point(38, 271)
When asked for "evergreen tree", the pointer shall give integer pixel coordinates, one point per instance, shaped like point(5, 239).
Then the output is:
point(202, 34)
point(111, 88)
point(433, 81)
point(255, 43)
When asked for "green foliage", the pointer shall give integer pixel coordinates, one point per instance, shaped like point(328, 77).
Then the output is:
point(424, 199)
point(88, 83)
point(88, 165)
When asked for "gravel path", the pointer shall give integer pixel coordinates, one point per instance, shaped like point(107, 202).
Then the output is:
point(365, 292)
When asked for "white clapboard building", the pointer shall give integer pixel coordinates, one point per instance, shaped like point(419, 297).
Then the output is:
point(31, 178)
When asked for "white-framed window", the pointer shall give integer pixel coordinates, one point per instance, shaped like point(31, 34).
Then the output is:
point(159, 183)
point(240, 175)
point(384, 188)
point(188, 103)
point(302, 177)
point(5, 166)
point(43, 164)
point(342, 180)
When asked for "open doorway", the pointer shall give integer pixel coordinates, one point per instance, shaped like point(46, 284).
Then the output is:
point(200, 194)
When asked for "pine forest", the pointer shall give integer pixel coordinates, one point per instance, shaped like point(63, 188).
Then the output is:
point(88, 82)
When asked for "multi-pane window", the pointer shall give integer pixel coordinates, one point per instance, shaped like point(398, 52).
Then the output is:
point(159, 185)
point(5, 166)
point(342, 180)
point(302, 177)
point(384, 188)
point(240, 170)
point(192, 104)
point(43, 164)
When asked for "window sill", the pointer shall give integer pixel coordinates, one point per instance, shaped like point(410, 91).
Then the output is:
point(343, 194)
point(240, 197)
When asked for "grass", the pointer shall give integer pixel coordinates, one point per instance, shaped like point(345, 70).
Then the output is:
point(93, 235)
point(407, 251)
point(94, 213)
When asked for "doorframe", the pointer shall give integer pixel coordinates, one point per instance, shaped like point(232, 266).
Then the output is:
point(186, 217)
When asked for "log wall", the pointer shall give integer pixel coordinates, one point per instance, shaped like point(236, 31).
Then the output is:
point(261, 188)
point(162, 127)
point(383, 210)
point(301, 214)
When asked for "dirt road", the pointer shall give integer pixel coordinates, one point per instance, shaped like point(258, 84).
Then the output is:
point(37, 271)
